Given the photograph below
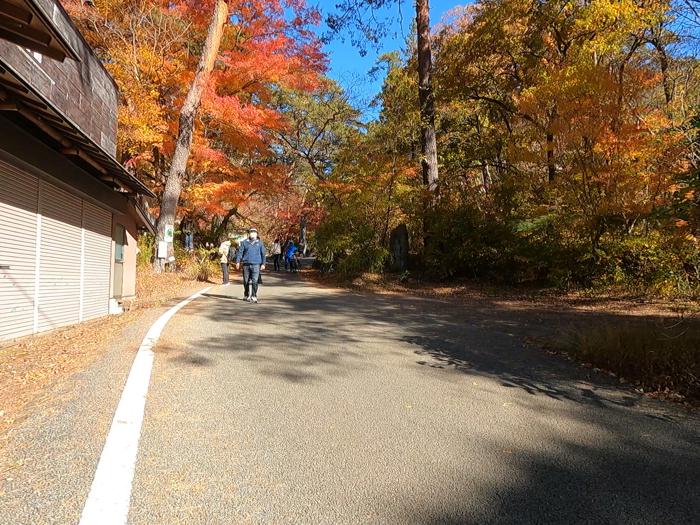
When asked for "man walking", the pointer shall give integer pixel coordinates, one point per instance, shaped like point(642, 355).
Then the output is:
point(252, 253)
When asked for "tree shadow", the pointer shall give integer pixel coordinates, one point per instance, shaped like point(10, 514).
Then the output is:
point(322, 332)
point(594, 451)
point(611, 475)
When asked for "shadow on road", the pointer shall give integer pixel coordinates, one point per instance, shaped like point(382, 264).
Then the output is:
point(484, 337)
point(640, 465)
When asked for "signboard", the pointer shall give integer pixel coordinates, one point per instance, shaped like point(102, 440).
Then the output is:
point(169, 233)
point(162, 250)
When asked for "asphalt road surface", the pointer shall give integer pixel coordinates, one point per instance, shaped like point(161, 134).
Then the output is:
point(322, 406)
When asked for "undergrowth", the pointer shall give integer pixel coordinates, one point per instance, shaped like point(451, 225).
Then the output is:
point(656, 356)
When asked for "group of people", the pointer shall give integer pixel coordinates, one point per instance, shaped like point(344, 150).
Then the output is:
point(252, 256)
point(288, 253)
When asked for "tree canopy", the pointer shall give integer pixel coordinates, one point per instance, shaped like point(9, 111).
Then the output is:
point(566, 133)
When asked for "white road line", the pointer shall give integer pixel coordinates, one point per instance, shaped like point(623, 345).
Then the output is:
point(110, 493)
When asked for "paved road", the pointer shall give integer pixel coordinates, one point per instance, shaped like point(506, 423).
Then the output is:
point(319, 406)
point(326, 407)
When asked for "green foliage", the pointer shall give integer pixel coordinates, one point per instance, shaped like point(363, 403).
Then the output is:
point(146, 249)
point(542, 249)
point(349, 251)
point(654, 355)
point(468, 242)
point(656, 262)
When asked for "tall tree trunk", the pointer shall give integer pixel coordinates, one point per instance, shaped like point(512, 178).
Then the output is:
point(188, 113)
point(664, 64)
point(426, 98)
point(551, 167)
point(429, 161)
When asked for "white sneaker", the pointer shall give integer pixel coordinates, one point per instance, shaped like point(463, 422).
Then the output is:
point(246, 298)
point(253, 299)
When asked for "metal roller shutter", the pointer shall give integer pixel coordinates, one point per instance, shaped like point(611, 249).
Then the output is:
point(18, 232)
point(60, 253)
point(97, 260)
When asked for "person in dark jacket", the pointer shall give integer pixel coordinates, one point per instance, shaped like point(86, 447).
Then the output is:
point(187, 235)
point(289, 261)
point(251, 253)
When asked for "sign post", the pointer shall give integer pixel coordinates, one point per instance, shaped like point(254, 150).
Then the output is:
point(162, 250)
point(169, 233)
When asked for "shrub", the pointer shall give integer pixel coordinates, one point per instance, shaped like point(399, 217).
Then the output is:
point(199, 265)
point(472, 243)
point(146, 247)
point(349, 251)
point(661, 264)
point(652, 354)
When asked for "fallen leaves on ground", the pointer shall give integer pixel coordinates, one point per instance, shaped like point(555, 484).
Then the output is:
point(154, 289)
point(31, 365)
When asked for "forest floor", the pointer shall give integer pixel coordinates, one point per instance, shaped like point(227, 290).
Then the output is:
point(30, 366)
point(613, 301)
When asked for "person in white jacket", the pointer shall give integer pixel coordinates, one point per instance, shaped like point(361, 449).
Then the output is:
point(276, 254)
point(224, 248)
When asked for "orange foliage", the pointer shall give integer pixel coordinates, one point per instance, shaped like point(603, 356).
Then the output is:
point(151, 48)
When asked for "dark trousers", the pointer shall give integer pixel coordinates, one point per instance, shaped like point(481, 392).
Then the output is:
point(276, 261)
point(251, 273)
point(224, 271)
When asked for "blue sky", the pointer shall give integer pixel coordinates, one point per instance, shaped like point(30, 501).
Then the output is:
point(351, 69)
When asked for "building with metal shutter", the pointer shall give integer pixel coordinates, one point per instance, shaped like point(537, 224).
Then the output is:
point(69, 212)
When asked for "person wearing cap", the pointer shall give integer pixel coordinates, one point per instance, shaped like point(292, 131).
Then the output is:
point(251, 253)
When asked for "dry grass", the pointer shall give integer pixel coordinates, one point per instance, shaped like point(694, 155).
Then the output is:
point(659, 357)
point(154, 289)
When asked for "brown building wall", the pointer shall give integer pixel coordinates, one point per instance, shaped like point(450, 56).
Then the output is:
point(81, 90)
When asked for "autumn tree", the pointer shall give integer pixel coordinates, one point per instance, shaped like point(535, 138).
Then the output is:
point(198, 114)
point(144, 45)
point(567, 134)
point(186, 122)
point(318, 124)
point(361, 14)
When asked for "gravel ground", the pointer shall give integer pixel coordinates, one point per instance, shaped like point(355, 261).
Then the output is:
point(324, 406)
point(49, 458)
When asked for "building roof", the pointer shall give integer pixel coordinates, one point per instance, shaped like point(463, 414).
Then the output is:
point(43, 26)
point(25, 22)
point(16, 95)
